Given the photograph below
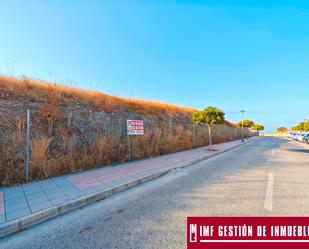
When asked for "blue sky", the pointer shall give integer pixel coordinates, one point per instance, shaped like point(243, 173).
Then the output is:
point(231, 54)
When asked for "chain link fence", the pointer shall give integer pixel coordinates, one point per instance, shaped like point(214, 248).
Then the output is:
point(63, 140)
point(12, 144)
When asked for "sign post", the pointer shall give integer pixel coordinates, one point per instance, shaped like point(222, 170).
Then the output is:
point(28, 141)
point(134, 127)
point(129, 148)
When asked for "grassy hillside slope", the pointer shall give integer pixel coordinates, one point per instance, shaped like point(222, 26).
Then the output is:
point(74, 129)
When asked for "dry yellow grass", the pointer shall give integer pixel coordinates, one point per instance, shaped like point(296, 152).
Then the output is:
point(59, 146)
point(53, 92)
point(39, 159)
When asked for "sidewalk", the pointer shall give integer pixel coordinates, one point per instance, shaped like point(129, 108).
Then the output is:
point(32, 203)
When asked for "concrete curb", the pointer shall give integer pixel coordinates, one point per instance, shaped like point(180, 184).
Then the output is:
point(36, 218)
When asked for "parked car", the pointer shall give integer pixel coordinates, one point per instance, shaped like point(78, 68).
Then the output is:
point(306, 139)
point(291, 135)
point(294, 136)
point(300, 137)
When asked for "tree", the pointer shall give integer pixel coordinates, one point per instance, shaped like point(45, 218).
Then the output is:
point(257, 127)
point(302, 126)
point(209, 116)
point(247, 123)
point(282, 129)
point(295, 128)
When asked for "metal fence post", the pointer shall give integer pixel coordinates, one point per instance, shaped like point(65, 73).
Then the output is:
point(28, 145)
point(129, 148)
point(193, 134)
point(113, 125)
point(170, 134)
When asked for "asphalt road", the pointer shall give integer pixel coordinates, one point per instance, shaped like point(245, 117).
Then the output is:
point(267, 177)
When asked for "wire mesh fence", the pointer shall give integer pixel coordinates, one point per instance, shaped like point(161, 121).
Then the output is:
point(69, 140)
point(12, 144)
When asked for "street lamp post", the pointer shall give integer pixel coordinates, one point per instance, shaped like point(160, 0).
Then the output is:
point(305, 125)
point(242, 125)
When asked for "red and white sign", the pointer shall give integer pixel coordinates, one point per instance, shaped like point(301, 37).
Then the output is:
point(135, 127)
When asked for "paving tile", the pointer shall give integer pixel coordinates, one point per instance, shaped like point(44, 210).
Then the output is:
point(51, 190)
point(55, 195)
point(49, 187)
point(15, 201)
point(17, 214)
point(33, 191)
point(15, 207)
point(2, 219)
point(58, 201)
point(70, 189)
point(35, 195)
point(12, 190)
point(67, 186)
point(1, 204)
point(61, 181)
point(13, 195)
point(40, 206)
point(30, 186)
point(115, 182)
point(101, 186)
point(74, 195)
point(64, 184)
point(89, 191)
point(38, 200)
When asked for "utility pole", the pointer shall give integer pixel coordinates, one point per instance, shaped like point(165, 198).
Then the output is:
point(242, 125)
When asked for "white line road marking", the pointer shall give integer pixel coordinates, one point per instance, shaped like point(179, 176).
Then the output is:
point(268, 204)
point(254, 241)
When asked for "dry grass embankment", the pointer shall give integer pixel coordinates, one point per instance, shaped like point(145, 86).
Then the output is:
point(75, 129)
point(55, 93)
